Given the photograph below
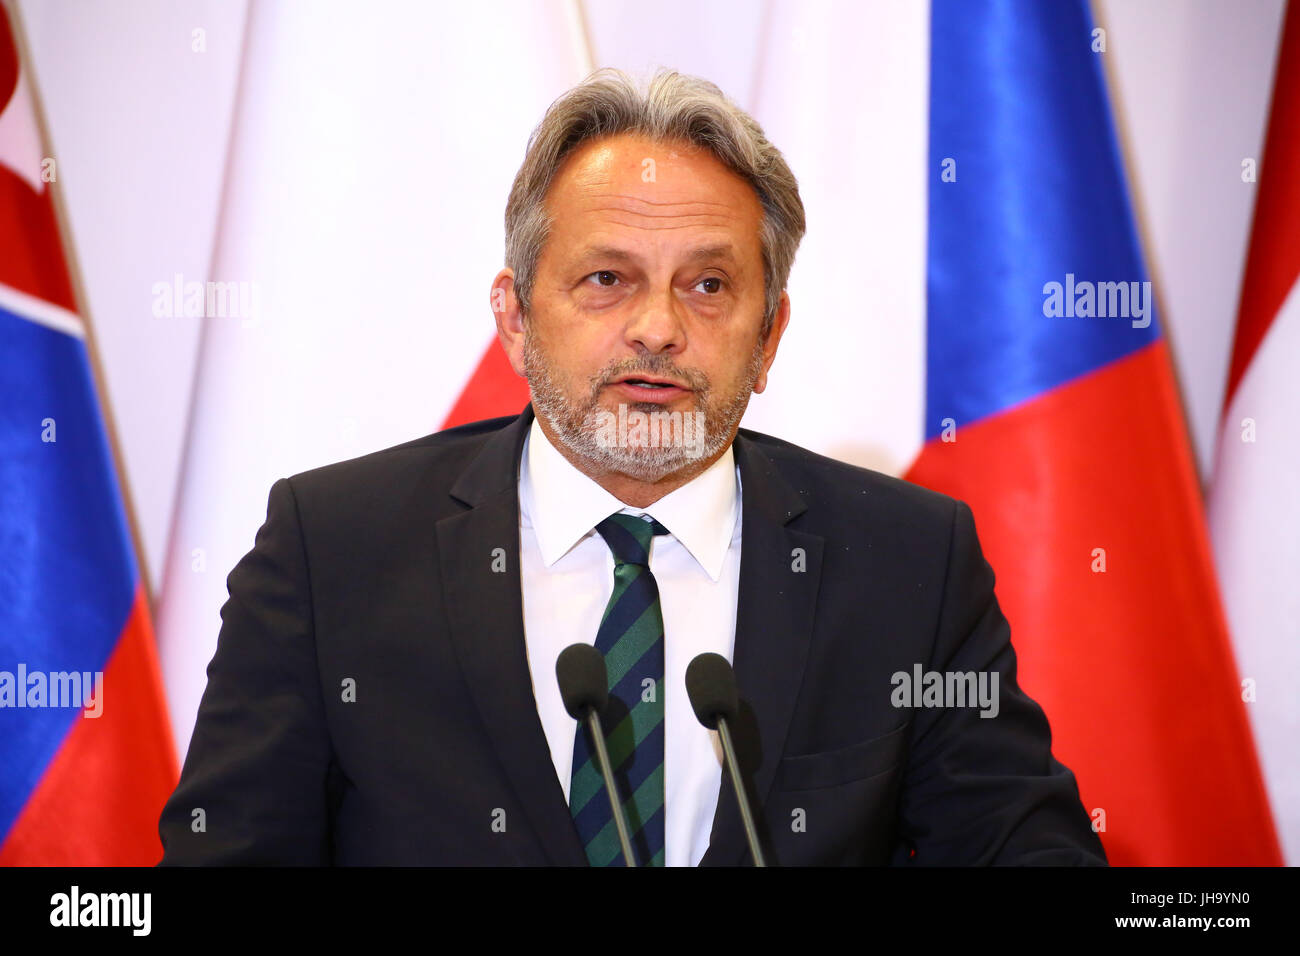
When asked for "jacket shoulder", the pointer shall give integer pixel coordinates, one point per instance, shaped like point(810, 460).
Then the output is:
point(442, 449)
point(851, 490)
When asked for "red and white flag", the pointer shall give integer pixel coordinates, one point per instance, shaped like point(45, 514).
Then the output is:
point(1255, 498)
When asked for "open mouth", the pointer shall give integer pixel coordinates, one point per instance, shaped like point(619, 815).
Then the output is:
point(642, 383)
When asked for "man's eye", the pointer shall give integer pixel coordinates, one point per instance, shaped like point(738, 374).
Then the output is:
point(715, 288)
point(601, 276)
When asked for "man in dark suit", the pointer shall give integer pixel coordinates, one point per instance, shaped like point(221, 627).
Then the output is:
point(383, 690)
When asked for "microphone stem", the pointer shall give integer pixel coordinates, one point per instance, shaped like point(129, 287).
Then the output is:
point(602, 758)
point(751, 834)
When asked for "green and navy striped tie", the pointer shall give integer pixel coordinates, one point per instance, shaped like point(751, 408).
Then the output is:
point(631, 638)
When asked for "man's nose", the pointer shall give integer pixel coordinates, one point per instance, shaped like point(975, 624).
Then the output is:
point(658, 324)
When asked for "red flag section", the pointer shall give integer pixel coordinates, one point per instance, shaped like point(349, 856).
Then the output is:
point(1087, 505)
point(492, 391)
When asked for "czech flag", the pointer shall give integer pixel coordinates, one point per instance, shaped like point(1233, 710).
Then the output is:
point(86, 756)
point(1051, 409)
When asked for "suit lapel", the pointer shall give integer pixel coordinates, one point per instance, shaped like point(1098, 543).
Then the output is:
point(774, 617)
point(485, 611)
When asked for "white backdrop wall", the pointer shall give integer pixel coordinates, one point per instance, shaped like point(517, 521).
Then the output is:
point(353, 160)
point(139, 124)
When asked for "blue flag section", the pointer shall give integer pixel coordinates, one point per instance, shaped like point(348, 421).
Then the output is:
point(1026, 190)
point(69, 578)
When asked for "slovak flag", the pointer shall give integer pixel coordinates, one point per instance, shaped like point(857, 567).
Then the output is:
point(86, 755)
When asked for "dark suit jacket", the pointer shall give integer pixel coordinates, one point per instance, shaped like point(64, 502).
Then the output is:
point(378, 573)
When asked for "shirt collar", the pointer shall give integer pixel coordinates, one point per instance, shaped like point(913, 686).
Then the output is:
point(563, 505)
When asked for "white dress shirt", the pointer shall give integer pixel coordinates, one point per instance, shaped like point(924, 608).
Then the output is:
point(567, 576)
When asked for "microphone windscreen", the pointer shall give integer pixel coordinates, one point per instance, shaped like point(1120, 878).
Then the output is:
point(580, 670)
point(711, 686)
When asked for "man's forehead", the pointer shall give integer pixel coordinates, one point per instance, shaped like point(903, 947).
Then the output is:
point(651, 176)
point(630, 182)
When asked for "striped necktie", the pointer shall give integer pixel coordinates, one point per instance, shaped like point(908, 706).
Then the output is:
point(631, 638)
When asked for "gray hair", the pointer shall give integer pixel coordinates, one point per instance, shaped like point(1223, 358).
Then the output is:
point(675, 107)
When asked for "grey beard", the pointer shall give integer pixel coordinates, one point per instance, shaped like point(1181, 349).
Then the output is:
point(578, 427)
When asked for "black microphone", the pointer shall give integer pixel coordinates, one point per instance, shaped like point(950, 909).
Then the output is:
point(584, 688)
point(711, 685)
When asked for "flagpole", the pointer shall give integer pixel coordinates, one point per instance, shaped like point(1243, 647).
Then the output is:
point(98, 378)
